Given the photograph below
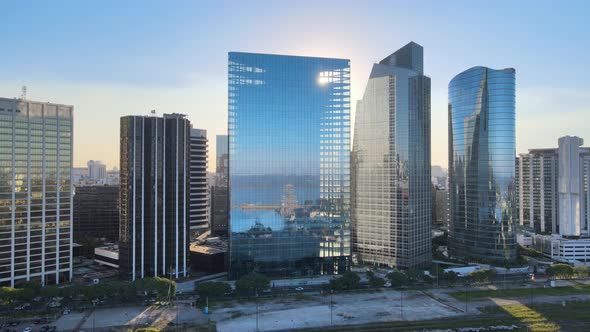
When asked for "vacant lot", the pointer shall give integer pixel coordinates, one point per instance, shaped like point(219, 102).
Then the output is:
point(315, 311)
point(543, 318)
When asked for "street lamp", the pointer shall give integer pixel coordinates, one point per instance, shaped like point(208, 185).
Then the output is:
point(532, 290)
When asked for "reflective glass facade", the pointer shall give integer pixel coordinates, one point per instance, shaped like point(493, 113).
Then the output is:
point(289, 156)
point(481, 164)
point(391, 182)
point(35, 192)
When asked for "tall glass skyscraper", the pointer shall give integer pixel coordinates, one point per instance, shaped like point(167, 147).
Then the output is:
point(391, 182)
point(481, 164)
point(35, 192)
point(289, 156)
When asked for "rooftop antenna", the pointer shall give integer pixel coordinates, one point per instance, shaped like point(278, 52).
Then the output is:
point(23, 95)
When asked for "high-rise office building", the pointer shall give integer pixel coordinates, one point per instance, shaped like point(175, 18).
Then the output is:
point(441, 206)
point(219, 210)
point(289, 157)
point(571, 186)
point(97, 170)
point(96, 212)
point(219, 189)
point(536, 190)
point(222, 160)
point(199, 190)
point(153, 237)
point(391, 170)
point(35, 192)
point(481, 164)
point(552, 188)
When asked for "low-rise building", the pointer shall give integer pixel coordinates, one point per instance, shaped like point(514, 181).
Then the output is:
point(209, 255)
point(563, 249)
point(108, 255)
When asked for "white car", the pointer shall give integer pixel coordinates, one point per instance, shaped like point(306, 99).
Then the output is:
point(299, 289)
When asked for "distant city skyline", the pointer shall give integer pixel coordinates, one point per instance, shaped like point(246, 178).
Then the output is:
point(113, 59)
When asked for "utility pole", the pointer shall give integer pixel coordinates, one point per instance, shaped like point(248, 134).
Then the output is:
point(93, 315)
point(466, 298)
point(331, 319)
point(401, 304)
point(257, 310)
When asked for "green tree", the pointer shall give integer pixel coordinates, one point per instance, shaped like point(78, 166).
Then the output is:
point(560, 271)
point(251, 283)
point(212, 289)
point(414, 274)
point(450, 277)
point(481, 275)
point(375, 281)
point(397, 278)
point(348, 280)
point(581, 272)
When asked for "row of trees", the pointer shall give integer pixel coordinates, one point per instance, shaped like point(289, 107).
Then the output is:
point(565, 271)
point(122, 291)
point(248, 285)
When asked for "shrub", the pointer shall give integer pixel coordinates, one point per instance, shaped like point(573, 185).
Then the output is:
point(212, 289)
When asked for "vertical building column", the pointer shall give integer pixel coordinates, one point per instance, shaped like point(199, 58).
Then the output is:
point(177, 198)
point(28, 194)
point(71, 196)
point(133, 177)
point(542, 192)
point(57, 214)
point(156, 121)
point(164, 197)
point(520, 189)
point(184, 179)
point(13, 201)
point(43, 201)
point(531, 190)
point(143, 133)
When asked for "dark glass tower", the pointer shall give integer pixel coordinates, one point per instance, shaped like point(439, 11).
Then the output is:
point(289, 156)
point(392, 194)
point(96, 212)
point(481, 165)
point(154, 190)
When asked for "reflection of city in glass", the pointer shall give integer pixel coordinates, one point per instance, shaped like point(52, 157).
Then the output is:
point(289, 134)
point(481, 164)
point(392, 195)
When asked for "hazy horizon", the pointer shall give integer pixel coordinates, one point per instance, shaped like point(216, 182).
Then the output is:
point(112, 59)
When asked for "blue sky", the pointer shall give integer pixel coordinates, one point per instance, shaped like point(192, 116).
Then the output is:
point(114, 58)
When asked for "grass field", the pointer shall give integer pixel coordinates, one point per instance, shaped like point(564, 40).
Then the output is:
point(542, 318)
point(521, 292)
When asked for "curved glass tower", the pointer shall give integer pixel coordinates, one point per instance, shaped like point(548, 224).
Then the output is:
point(481, 164)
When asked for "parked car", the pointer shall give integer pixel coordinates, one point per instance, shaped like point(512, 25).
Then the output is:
point(27, 329)
point(299, 289)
